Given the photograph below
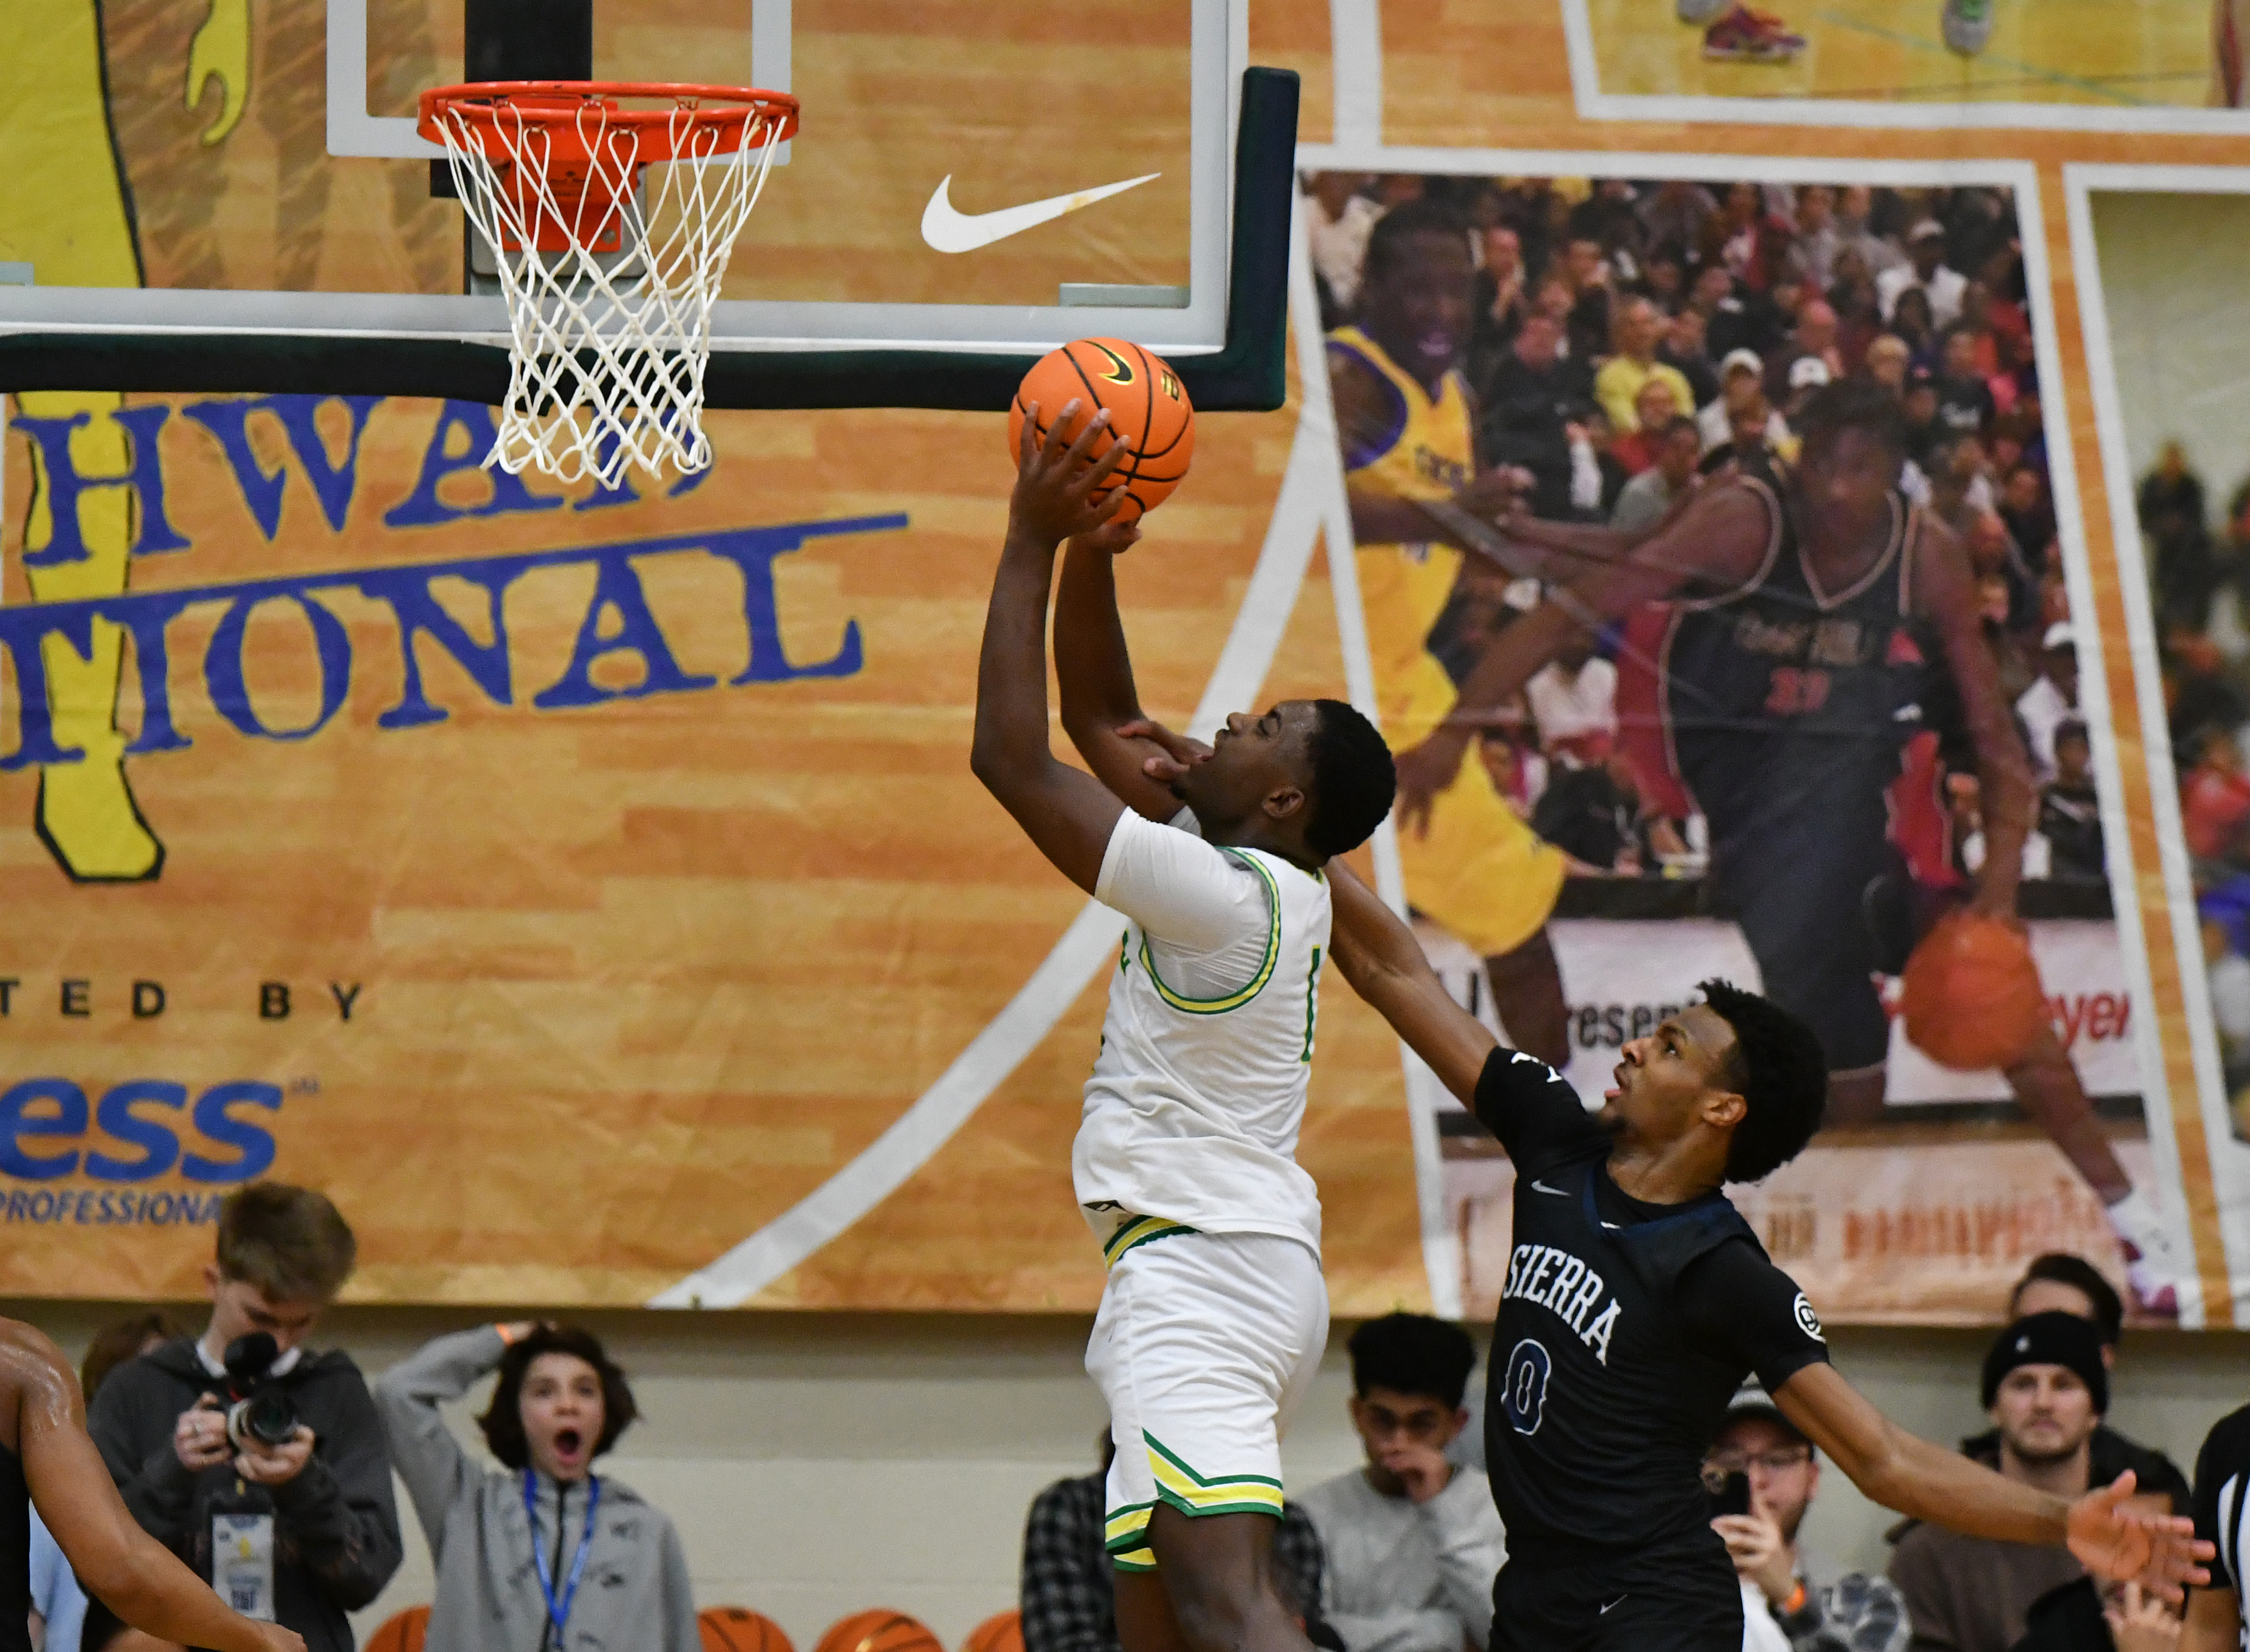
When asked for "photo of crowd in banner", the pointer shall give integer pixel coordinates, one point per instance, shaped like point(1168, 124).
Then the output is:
point(1634, 755)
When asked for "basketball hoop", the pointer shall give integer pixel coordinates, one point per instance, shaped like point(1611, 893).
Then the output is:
point(609, 295)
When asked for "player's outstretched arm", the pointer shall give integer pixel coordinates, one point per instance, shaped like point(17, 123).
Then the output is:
point(1095, 674)
point(1068, 814)
point(118, 1563)
point(1384, 963)
point(1720, 538)
point(1907, 1473)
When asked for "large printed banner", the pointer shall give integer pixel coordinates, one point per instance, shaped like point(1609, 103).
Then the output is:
point(586, 886)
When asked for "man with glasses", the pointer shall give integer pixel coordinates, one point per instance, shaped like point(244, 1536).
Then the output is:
point(1411, 1542)
point(1812, 1607)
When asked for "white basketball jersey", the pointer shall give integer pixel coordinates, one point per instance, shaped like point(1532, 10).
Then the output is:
point(1194, 1105)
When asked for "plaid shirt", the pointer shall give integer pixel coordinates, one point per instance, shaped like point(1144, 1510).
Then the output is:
point(1068, 1597)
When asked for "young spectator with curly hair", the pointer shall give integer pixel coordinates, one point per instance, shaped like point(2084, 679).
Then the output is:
point(540, 1551)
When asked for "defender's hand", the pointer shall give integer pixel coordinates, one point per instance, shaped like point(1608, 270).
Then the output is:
point(262, 1464)
point(221, 51)
point(272, 1637)
point(1055, 483)
point(1177, 753)
point(2160, 1552)
point(199, 1437)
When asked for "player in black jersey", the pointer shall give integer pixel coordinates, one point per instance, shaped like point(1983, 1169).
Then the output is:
point(2222, 1519)
point(1637, 1299)
point(48, 1462)
point(1819, 620)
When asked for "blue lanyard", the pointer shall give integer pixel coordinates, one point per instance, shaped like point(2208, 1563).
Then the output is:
point(559, 1615)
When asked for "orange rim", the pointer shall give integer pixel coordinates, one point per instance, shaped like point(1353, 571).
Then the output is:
point(482, 107)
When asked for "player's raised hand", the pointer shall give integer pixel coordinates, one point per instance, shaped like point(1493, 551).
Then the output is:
point(2159, 1552)
point(1056, 481)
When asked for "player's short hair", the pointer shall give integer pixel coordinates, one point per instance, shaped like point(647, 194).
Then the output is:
point(1776, 1068)
point(1854, 403)
point(502, 1421)
point(292, 1243)
point(1386, 243)
point(1354, 780)
point(2060, 1268)
point(1413, 1353)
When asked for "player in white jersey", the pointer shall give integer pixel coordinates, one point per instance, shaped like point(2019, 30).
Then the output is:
point(1215, 1314)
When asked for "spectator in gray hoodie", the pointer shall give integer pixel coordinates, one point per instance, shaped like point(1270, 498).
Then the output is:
point(541, 1554)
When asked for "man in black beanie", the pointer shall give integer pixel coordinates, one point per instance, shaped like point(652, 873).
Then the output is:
point(2046, 1387)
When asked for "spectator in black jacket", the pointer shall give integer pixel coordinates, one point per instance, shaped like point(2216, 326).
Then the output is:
point(2060, 1282)
point(1534, 395)
point(317, 1502)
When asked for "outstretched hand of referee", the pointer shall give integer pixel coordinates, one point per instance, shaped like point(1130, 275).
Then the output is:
point(2159, 1551)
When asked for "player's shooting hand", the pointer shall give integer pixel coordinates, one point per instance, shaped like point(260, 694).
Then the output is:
point(2159, 1552)
point(1760, 1553)
point(1055, 482)
point(1424, 772)
point(2140, 1623)
point(1175, 752)
point(199, 1437)
point(264, 1464)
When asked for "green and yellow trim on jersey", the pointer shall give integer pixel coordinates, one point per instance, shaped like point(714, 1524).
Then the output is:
point(1136, 1231)
point(1125, 1532)
point(1257, 983)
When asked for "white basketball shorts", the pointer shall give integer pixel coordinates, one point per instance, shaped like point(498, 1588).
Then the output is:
point(1203, 1347)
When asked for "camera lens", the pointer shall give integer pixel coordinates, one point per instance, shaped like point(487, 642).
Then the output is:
point(268, 1418)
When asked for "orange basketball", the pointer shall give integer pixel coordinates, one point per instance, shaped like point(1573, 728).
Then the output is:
point(404, 1633)
point(1002, 1632)
point(881, 1630)
point(1972, 997)
point(733, 1629)
point(1148, 412)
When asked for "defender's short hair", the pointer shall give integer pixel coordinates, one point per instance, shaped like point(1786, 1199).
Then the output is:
point(2060, 1268)
point(1354, 780)
point(1413, 1353)
point(502, 1421)
point(1386, 243)
point(292, 1243)
point(1857, 403)
point(1778, 1069)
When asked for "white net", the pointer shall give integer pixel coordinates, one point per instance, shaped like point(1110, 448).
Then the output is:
point(608, 349)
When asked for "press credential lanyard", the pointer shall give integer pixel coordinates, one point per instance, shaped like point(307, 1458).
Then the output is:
point(558, 1613)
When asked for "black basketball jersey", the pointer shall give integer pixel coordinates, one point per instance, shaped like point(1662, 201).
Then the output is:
point(1779, 691)
point(1624, 1330)
point(15, 1555)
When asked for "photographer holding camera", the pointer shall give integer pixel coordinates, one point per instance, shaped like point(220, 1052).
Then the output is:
point(259, 1462)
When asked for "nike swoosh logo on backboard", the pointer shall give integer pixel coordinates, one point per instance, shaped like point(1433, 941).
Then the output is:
point(950, 231)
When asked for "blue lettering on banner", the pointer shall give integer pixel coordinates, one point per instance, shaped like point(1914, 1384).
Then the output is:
point(140, 1115)
point(617, 618)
